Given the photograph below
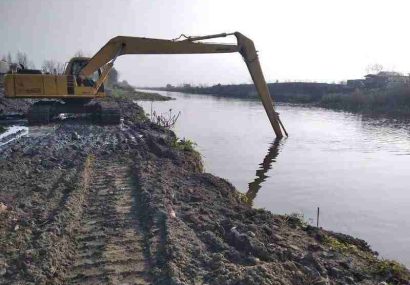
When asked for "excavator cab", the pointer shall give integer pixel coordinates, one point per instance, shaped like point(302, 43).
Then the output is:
point(74, 68)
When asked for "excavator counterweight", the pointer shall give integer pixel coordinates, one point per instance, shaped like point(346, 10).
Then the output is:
point(83, 79)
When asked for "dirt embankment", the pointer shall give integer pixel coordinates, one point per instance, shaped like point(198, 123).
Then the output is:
point(87, 204)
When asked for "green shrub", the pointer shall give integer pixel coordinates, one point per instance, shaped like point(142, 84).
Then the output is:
point(184, 144)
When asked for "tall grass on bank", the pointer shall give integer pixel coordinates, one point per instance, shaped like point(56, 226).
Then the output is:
point(387, 101)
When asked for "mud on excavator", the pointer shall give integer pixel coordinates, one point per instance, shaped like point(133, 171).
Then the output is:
point(83, 79)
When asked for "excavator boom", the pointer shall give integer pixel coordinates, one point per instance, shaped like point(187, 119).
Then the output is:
point(133, 45)
point(78, 84)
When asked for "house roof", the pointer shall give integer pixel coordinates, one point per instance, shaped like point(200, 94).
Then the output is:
point(386, 74)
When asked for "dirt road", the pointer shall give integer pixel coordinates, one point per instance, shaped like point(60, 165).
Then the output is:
point(71, 211)
point(89, 204)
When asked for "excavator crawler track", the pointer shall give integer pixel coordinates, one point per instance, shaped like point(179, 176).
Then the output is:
point(39, 113)
point(110, 247)
point(42, 112)
point(110, 116)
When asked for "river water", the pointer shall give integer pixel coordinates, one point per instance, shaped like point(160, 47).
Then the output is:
point(356, 169)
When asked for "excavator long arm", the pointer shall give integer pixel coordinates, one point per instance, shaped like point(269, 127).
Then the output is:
point(133, 45)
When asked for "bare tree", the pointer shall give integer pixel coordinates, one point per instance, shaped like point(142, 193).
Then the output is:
point(374, 68)
point(9, 58)
point(22, 59)
point(60, 68)
point(79, 53)
point(19, 60)
point(48, 66)
point(53, 67)
point(31, 65)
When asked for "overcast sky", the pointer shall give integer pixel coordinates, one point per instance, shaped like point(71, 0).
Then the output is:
point(316, 40)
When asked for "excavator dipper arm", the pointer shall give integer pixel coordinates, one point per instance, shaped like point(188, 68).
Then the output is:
point(133, 45)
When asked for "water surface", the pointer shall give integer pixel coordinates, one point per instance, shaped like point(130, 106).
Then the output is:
point(355, 169)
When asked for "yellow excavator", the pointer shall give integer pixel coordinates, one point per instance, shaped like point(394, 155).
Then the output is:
point(83, 79)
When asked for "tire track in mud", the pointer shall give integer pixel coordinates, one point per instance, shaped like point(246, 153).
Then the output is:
point(110, 241)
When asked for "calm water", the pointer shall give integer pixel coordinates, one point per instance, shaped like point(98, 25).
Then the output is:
point(355, 169)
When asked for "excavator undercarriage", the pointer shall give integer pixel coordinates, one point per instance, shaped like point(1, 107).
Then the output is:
point(43, 112)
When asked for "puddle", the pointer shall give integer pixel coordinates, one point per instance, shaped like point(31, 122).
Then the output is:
point(15, 132)
point(39, 131)
point(12, 133)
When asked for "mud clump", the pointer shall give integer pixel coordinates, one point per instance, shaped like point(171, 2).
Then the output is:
point(82, 203)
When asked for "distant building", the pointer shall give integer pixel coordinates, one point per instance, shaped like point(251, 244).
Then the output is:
point(4, 67)
point(383, 79)
point(386, 79)
point(356, 83)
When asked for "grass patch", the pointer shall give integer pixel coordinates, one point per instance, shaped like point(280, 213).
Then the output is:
point(184, 145)
point(191, 155)
point(341, 246)
point(244, 198)
point(393, 271)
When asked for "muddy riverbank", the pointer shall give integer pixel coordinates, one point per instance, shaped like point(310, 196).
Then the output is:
point(88, 204)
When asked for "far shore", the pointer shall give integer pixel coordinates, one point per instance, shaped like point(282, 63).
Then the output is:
point(394, 101)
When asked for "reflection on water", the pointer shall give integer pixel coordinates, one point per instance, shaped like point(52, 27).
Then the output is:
point(261, 176)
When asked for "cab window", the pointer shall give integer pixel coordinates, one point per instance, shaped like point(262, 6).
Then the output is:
point(90, 80)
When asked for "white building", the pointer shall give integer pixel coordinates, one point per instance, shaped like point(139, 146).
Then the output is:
point(4, 67)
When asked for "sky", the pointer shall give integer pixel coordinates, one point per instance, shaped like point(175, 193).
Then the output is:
point(316, 40)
